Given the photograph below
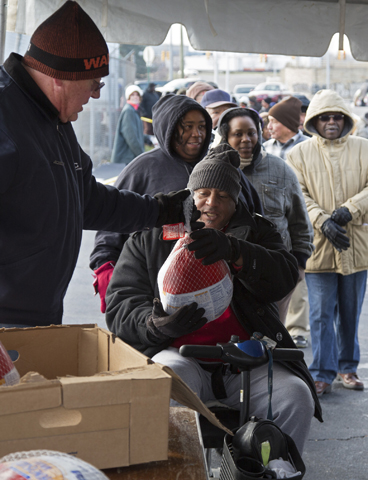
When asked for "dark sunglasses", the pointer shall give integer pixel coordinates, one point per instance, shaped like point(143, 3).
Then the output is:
point(326, 118)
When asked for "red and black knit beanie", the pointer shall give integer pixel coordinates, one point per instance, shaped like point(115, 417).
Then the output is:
point(68, 46)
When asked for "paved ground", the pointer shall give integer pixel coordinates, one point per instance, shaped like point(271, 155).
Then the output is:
point(336, 450)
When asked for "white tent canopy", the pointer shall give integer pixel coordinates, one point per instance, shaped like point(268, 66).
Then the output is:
point(289, 27)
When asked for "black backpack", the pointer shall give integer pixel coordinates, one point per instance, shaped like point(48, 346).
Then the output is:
point(260, 439)
point(263, 441)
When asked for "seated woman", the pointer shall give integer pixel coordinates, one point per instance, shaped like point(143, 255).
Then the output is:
point(276, 184)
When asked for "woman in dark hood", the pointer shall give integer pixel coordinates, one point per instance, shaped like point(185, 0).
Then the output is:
point(275, 182)
point(241, 129)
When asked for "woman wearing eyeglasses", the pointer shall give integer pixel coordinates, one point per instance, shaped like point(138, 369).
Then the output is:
point(332, 169)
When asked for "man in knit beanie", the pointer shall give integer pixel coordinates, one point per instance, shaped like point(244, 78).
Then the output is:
point(219, 169)
point(284, 120)
point(262, 272)
point(48, 193)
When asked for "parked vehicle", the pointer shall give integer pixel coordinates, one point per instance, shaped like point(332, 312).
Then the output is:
point(360, 98)
point(275, 90)
point(143, 84)
point(241, 90)
point(174, 85)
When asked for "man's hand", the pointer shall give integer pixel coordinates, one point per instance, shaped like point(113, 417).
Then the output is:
point(341, 216)
point(171, 207)
point(102, 279)
point(185, 320)
point(336, 235)
point(213, 245)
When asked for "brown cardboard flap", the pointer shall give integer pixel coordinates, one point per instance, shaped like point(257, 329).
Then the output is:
point(149, 415)
point(28, 397)
point(88, 352)
point(80, 392)
point(111, 388)
point(103, 359)
point(123, 356)
point(181, 393)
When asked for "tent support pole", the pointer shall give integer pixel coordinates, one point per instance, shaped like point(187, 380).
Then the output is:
point(3, 12)
point(342, 24)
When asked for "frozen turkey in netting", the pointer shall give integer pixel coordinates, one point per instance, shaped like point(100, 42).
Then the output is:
point(183, 279)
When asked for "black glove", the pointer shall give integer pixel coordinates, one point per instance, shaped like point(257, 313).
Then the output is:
point(213, 245)
point(185, 320)
point(341, 216)
point(196, 215)
point(336, 235)
point(171, 207)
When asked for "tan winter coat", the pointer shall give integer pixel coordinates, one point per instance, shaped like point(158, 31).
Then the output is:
point(332, 174)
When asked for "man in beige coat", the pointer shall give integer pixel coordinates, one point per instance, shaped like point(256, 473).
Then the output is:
point(332, 168)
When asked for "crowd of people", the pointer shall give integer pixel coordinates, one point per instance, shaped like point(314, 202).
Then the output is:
point(264, 134)
point(280, 194)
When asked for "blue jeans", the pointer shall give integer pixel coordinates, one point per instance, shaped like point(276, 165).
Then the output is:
point(335, 305)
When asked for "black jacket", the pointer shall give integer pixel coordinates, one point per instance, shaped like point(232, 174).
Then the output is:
point(148, 100)
point(161, 170)
point(47, 196)
point(270, 272)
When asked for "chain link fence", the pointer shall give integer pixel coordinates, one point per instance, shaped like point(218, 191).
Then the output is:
point(96, 125)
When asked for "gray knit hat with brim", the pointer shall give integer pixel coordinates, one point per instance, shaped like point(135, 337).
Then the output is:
point(219, 169)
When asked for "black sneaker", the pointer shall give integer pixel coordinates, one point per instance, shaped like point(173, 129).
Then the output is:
point(300, 341)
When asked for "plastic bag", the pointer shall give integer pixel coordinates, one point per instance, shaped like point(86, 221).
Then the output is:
point(8, 373)
point(47, 465)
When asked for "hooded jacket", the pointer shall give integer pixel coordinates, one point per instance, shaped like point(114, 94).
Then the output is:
point(160, 170)
point(269, 274)
point(333, 174)
point(280, 193)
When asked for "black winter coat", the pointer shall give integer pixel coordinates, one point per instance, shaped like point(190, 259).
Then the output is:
point(268, 274)
point(148, 100)
point(47, 196)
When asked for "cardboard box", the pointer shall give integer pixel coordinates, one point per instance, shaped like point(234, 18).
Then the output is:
point(93, 396)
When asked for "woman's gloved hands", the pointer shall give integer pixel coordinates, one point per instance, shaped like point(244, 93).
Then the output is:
point(335, 235)
point(185, 320)
point(213, 245)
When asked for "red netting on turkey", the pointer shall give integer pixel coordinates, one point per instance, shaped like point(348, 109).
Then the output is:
point(183, 280)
